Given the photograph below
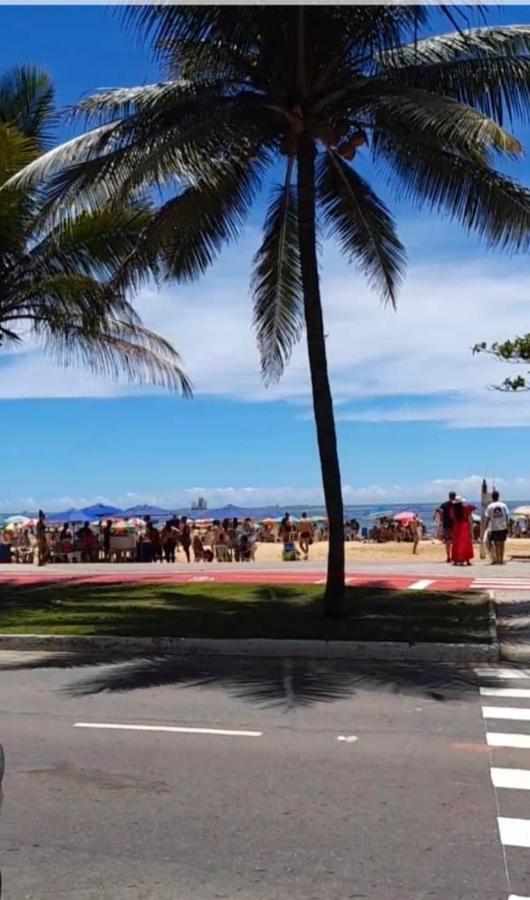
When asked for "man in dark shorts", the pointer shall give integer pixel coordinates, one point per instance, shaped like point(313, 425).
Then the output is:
point(497, 526)
point(447, 523)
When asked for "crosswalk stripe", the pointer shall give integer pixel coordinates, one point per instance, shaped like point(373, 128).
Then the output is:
point(514, 693)
point(517, 897)
point(504, 739)
point(500, 583)
point(506, 712)
point(484, 672)
point(516, 779)
point(514, 832)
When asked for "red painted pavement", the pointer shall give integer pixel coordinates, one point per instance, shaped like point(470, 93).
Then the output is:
point(42, 577)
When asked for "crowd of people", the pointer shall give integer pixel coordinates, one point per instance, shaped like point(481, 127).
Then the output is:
point(458, 530)
point(235, 540)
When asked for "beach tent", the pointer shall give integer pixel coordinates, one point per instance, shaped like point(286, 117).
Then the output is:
point(146, 510)
point(68, 516)
point(100, 510)
point(235, 512)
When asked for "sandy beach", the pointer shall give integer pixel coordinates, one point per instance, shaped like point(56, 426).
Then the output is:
point(356, 551)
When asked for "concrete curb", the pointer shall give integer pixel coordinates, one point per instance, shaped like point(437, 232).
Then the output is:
point(259, 647)
point(494, 637)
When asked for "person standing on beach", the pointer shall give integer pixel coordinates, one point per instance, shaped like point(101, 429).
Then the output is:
point(42, 542)
point(445, 511)
point(306, 532)
point(185, 536)
point(462, 532)
point(497, 527)
point(416, 530)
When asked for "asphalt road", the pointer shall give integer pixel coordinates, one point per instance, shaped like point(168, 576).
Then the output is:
point(364, 782)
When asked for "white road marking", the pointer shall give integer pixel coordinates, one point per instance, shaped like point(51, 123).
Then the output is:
point(349, 738)
point(500, 580)
point(517, 897)
point(421, 585)
point(514, 693)
point(502, 673)
point(504, 739)
point(517, 779)
point(169, 728)
point(514, 832)
point(517, 713)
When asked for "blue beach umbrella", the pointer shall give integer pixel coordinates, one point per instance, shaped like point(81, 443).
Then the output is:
point(68, 516)
point(146, 510)
point(100, 510)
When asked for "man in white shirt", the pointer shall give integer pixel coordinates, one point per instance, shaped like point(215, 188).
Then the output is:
point(497, 526)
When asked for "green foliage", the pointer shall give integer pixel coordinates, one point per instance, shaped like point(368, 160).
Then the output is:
point(244, 84)
point(60, 281)
point(515, 351)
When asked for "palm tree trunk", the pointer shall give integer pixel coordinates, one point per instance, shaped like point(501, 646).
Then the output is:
point(322, 400)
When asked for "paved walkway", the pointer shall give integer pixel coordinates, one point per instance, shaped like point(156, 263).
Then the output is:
point(416, 576)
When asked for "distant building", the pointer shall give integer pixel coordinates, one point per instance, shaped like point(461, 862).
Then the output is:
point(199, 504)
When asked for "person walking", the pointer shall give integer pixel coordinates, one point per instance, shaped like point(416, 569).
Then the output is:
point(461, 532)
point(306, 531)
point(446, 520)
point(185, 537)
point(168, 540)
point(497, 516)
point(416, 530)
point(42, 542)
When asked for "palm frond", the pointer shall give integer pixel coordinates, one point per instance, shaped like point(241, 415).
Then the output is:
point(509, 40)
point(62, 298)
point(360, 221)
point(117, 349)
point(188, 231)
point(16, 151)
point(27, 101)
point(49, 164)
point(93, 245)
point(481, 199)
point(438, 119)
point(162, 155)
point(277, 282)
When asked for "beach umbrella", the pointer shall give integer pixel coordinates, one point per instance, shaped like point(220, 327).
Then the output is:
point(385, 514)
point(522, 511)
point(146, 509)
point(17, 520)
point(406, 516)
point(69, 516)
point(100, 510)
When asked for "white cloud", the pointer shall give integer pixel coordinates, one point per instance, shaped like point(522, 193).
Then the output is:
point(285, 496)
point(423, 350)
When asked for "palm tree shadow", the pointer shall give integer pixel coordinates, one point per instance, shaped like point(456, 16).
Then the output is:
point(285, 683)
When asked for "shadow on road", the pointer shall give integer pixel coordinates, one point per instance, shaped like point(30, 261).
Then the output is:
point(513, 629)
point(287, 683)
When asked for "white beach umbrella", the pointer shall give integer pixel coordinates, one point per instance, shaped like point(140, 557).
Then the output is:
point(17, 520)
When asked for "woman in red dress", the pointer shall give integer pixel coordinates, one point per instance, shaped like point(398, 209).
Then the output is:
point(462, 533)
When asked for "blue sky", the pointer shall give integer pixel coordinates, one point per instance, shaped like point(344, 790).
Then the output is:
point(414, 411)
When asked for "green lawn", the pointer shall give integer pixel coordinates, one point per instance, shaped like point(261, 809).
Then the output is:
point(242, 611)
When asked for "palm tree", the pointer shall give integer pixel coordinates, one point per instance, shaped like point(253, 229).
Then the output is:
point(306, 86)
point(57, 284)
